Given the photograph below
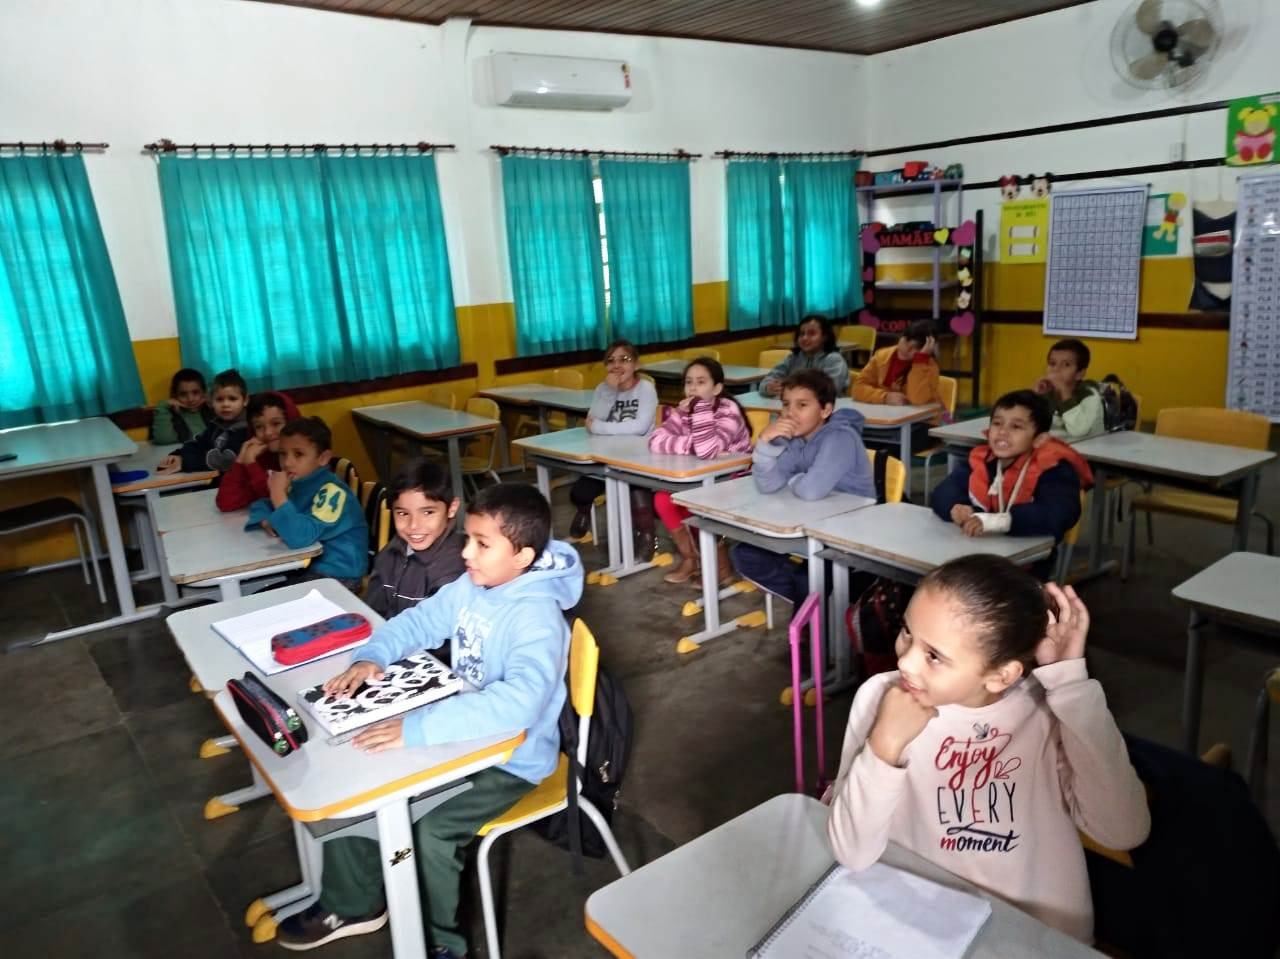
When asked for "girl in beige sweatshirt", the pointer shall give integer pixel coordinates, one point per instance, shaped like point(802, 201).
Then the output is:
point(990, 746)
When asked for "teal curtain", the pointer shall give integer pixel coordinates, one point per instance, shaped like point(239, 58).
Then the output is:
point(553, 243)
point(308, 269)
point(822, 247)
point(650, 262)
point(64, 346)
point(757, 261)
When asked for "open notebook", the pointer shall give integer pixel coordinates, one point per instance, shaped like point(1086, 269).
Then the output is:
point(879, 913)
point(408, 683)
point(251, 633)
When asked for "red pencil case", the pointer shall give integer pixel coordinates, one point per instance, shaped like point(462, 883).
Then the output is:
point(311, 642)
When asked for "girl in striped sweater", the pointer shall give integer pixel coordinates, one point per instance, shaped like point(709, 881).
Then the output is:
point(706, 424)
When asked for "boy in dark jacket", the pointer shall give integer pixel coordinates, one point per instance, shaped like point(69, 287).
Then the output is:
point(308, 504)
point(216, 448)
point(185, 413)
point(246, 481)
point(1023, 482)
point(426, 551)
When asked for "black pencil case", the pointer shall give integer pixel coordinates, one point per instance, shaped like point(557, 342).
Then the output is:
point(271, 718)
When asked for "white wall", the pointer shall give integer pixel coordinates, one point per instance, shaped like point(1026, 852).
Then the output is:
point(131, 71)
point(1056, 68)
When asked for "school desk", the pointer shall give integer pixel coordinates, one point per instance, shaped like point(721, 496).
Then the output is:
point(422, 424)
point(738, 510)
point(1240, 590)
point(321, 782)
point(882, 419)
point(75, 445)
point(959, 438)
point(545, 398)
point(903, 542)
point(735, 377)
point(718, 895)
point(223, 553)
point(1169, 461)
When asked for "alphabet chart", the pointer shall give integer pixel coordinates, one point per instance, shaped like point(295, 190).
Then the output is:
point(1253, 349)
point(1095, 249)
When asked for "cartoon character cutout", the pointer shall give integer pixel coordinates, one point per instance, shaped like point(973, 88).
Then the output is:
point(1010, 186)
point(1168, 227)
point(1255, 141)
point(1040, 184)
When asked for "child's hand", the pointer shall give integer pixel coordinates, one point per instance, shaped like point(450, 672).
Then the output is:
point(686, 405)
point(960, 513)
point(899, 721)
point(895, 399)
point(174, 405)
point(250, 451)
point(1043, 385)
point(381, 736)
point(268, 528)
point(278, 486)
point(170, 464)
point(780, 427)
point(356, 675)
point(589, 422)
point(973, 526)
point(1064, 639)
point(930, 347)
point(771, 388)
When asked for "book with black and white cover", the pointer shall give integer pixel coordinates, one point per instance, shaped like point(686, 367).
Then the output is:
point(880, 912)
point(406, 684)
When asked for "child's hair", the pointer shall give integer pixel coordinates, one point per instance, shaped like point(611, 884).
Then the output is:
point(622, 345)
point(1073, 346)
point(523, 514)
point(313, 428)
point(230, 378)
point(1041, 413)
point(261, 402)
point(423, 475)
point(816, 381)
point(1004, 602)
point(186, 375)
point(828, 332)
point(716, 371)
point(918, 332)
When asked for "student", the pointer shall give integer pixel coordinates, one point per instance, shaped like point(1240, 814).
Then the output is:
point(706, 424)
point(246, 481)
point(623, 405)
point(903, 375)
point(426, 551)
point(185, 413)
point(306, 504)
point(505, 621)
point(1075, 401)
point(813, 449)
point(962, 757)
point(217, 447)
point(815, 349)
point(1023, 482)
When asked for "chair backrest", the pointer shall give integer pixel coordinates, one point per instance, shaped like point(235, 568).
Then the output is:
point(693, 352)
point(377, 515)
point(567, 379)
point(483, 445)
point(947, 389)
point(771, 358)
point(895, 477)
point(757, 420)
point(382, 535)
point(1210, 424)
point(441, 396)
point(584, 662)
point(366, 490)
point(346, 471)
point(1073, 534)
point(862, 337)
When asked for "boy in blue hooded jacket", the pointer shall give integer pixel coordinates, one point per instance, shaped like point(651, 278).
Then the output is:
point(505, 620)
point(813, 449)
point(307, 503)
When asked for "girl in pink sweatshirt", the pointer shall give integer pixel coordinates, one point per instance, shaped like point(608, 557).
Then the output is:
point(705, 424)
point(990, 746)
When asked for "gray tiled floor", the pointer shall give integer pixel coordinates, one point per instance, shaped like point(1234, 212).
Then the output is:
point(106, 853)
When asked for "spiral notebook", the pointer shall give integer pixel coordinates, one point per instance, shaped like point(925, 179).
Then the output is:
point(879, 913)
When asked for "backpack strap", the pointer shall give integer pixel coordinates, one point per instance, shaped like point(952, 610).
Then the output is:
point(569, 746)
point(879, 464)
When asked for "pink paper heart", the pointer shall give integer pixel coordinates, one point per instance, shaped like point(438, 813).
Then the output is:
point(965, 234)
point(869, 275)
point(1004, 767)
point(870, 239)
point(962, 324)
point(867, 318)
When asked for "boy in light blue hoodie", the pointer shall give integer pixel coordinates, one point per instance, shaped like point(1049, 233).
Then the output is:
point(505, 620)
point(813, 449)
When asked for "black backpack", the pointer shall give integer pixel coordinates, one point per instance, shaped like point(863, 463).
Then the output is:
point(874, 622)
point(1119, 408)
point(608, 750)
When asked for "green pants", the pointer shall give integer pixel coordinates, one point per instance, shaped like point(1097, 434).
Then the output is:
point(353, 869)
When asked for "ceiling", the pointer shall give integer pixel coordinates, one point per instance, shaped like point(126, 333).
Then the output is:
point(838, 25)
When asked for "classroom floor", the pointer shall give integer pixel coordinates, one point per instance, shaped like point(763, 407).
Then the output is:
point(105, 852)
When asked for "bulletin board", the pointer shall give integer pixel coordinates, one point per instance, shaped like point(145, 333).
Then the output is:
point(1095, 250)
point(1253, 360)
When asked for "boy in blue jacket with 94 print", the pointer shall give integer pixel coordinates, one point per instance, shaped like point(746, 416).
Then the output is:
point(308, 504)
point(813, 449)
point(505, 621)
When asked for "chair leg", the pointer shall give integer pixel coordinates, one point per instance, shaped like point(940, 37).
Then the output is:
point(1130, 546)
point(595, 533)
point(606, 834)
point(1151, 530)
point(768, 610)
point(1271, 532)
point(486, 896)
point(84, 565)
point(91, 534)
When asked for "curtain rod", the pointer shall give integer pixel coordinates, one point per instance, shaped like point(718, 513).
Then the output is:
point(676, 155)
point(168, 146)
point(56, 146)
point(774, 154)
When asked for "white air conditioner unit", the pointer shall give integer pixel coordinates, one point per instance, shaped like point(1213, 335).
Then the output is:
point(559, 83)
